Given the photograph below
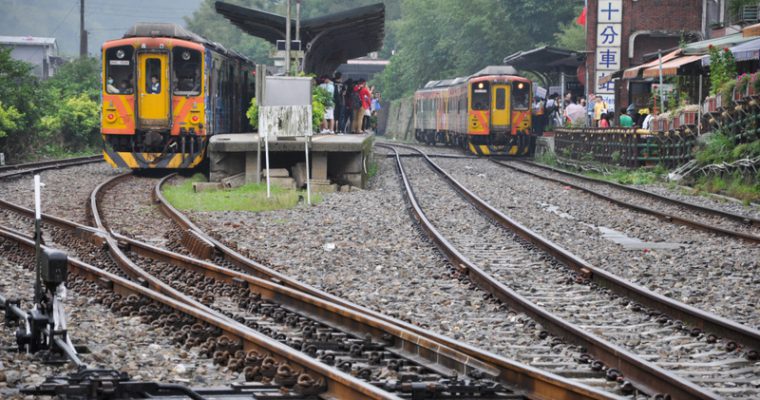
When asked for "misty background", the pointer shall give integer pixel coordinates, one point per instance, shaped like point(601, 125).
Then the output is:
point(104, 19)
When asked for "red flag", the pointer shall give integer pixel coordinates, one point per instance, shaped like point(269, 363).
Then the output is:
point(581, 20)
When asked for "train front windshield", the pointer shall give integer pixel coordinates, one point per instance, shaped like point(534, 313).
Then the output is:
point(481, 96)
point(119, 70)
point(520, 96)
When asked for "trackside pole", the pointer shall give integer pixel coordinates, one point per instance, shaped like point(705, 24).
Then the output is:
point(266, 156)
point(308, 174)
point(37, 238)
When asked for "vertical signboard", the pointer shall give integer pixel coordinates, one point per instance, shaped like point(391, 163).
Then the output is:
point(609, 32)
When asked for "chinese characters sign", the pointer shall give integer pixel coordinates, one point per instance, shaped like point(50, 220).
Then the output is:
point(609, 32)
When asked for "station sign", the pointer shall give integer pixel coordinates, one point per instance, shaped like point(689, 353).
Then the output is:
point(609, 33)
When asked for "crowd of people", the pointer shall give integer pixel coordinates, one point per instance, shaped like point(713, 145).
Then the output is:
point(575, 111)
point(354, 105)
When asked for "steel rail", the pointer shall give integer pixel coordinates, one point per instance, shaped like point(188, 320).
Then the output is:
point(439, 357)
point(704, 320)
point(696, 207)
point(661, 215)
point(7, 171)
point(339, 385)
point(537, 384)
point(643, 374)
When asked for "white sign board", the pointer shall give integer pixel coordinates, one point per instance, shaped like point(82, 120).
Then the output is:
point(609, 33)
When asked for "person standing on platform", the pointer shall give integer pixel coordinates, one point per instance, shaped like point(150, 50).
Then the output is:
point(338, 100)
point(328, 121)
point(360, 101)
point(600, 107)
point(625, 120)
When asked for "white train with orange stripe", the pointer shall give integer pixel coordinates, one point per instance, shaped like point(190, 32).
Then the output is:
point(487, 113)
point(165, 92)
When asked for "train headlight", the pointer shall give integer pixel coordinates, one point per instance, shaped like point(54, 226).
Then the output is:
point(520, 85)
point(185, 55)
point(480, 85)
point(120, 54)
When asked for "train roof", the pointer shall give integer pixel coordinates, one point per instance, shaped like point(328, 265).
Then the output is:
point(170, 30)
point(491, 70)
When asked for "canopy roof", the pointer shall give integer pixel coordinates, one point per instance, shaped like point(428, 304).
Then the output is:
point(703, 46)
point(545, 59)
point(671, 67)
point(744, 52)
point(329, 40)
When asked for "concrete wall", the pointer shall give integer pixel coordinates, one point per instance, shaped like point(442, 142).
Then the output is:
point(399, 125)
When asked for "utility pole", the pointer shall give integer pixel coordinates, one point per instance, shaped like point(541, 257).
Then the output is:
point(82, 32)
point(287, 41)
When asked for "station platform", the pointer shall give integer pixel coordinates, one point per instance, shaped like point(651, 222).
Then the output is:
point(336, 160)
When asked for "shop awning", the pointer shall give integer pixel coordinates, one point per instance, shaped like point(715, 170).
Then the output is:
point(671, 67)
point(726, 41)
point(607, 78)
point(633, 72)
point(744, 52)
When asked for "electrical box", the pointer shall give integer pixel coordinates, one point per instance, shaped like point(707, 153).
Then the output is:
point(53, 267)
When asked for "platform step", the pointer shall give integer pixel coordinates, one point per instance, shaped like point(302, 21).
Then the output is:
point(276, 173)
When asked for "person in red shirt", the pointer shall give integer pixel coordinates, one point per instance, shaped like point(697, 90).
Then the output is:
point(361, 101)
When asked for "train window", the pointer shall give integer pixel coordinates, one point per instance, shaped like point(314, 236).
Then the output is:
point(481, 96)
point(520, 96)
point(119, 71)
point(153, 75)
point(501, 99)
point(187, 71)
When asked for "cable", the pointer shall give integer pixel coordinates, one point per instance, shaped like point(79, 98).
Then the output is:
point(64, 19)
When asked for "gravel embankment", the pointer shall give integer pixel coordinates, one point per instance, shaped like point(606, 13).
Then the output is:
point(571, 219)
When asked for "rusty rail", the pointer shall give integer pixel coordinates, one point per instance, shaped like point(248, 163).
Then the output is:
point(535, 383)
point(7, 171)
point(337, 384)
point(707, 210)
point(642, 373)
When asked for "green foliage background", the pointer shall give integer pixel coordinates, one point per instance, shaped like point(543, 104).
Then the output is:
point(457, 38)
point(53, 117)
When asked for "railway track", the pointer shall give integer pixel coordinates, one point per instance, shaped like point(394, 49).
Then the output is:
point(7, 171)
point(695, 216)
point(390, 360)
point(653, 332)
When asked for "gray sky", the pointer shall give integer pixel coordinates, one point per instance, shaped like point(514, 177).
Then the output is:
point(104, 19)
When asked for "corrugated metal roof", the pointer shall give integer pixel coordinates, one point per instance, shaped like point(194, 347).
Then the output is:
point(27, 40)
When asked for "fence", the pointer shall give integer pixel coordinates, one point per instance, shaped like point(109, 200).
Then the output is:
point(629, 148)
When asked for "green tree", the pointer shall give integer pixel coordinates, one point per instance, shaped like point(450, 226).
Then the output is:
point(10, 120)
point(571, 36)
point(206, 22)
point(456, 38)
point(76, 77)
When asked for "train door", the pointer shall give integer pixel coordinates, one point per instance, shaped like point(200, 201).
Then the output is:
point(153, 90)
point(500, 93)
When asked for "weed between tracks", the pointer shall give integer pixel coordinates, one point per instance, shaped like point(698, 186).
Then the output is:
point(251, 197)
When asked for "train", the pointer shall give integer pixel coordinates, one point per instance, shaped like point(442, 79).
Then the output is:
point(486, 113)
point(166, 91)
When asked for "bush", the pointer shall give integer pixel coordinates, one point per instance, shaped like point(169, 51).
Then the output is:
point(11, 120)
point(253, 114)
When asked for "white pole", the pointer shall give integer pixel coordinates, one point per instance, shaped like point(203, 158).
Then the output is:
point(266, 155)
point(37, 237)
point(287, 41)
point(308, 174)
point(662, 99)
point(699, 113)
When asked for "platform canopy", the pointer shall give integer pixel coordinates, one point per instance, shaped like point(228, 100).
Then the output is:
point(328, 41)
point(546, 59)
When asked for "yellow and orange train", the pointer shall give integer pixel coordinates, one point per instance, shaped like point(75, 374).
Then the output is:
point(487, 113)
point(165, 92)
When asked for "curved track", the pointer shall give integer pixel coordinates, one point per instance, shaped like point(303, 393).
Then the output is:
point(541, 286)
point(417, 365)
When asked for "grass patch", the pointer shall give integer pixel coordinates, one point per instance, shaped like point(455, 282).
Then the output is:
point(546, 158)
point(640, 176)
point(733, 185)
point(251, 197)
